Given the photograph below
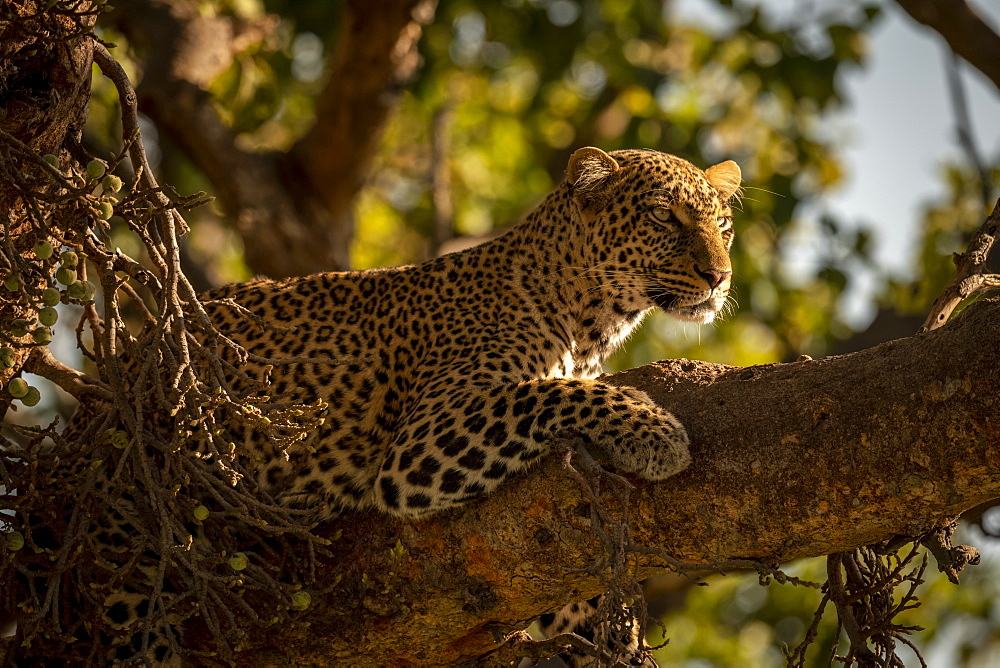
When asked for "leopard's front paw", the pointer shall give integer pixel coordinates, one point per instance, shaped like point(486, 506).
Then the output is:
point(649, 442)
point(668, 451)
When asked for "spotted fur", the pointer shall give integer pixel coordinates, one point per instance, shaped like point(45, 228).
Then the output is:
point(484, 357)
point(578, 618)
point(478, 360)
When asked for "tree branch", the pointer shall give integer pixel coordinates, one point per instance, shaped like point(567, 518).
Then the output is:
point(964, 31)
point(293, 210)
point(790, 461)
point(963, 126)
point(375, 59)
point(185, 50)
point(45, 70)
point(41, 362)
point(969, 277)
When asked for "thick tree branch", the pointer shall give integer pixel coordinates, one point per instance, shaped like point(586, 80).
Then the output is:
point(293, 210)
point(375, 59)
point(964, 31)
point(41, 362)
point(184, 51)
point(790, 460)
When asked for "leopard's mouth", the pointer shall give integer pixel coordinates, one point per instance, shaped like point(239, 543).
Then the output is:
point(665, 300)
point(703, 312)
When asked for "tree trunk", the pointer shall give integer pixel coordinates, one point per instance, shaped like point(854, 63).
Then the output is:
point(292, 210)
point(790, 460)
point(44, 91)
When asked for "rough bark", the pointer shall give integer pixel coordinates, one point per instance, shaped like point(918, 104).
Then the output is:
point(293, 210)
point(790, 460)
point(45, 67)
point(44, 83)
point(966, 33)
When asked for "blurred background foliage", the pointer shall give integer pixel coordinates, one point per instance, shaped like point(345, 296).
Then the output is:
point(505, 92)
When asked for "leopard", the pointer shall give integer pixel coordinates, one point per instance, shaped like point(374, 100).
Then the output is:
point(486, 356)
point(470, 366)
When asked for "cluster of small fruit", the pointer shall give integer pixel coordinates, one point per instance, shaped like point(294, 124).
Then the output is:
point(103, 186)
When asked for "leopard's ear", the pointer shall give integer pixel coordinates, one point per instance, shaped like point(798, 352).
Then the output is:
point(725, 177)
point(588, 167)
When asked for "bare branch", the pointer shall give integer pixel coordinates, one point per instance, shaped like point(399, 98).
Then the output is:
point(963, 127)
point(292, 209)
point(41, 362)
point(838, 594)
point(951, 559)
point(969, 278)
point(966, 33)
point(375, 58)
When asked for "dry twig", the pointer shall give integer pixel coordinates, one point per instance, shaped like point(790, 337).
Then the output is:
point(969, 277)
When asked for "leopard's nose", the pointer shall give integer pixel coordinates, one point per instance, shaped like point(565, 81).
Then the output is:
point(714, 277)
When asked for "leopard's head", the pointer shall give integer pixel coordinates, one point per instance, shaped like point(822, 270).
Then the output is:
point(657, 229)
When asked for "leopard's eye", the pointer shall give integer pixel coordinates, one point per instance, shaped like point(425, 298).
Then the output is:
point(725, 222)
point(663, 215)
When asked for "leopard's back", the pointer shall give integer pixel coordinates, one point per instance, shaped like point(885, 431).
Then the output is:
point(411, 362)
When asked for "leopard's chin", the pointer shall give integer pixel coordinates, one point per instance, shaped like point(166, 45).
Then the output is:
point(702, 313)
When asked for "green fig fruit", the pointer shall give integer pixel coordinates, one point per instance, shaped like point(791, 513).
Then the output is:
point(17, 387)
point(14, 540)
point(50, 296)
point(19, 327)
point(95, 169)
point(48, 316)
point(43, 250)
point(301, 600)
point(32, 397)
point(112, 183)
point(66, 275)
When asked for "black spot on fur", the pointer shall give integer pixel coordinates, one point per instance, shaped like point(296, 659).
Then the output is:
point(473, 460)
point(118, 613)
point(452, 481)
point(496, 434)
point(390, 493)
point(418, 501)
